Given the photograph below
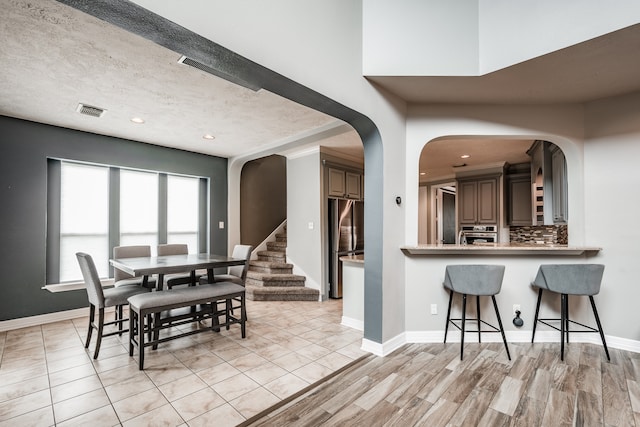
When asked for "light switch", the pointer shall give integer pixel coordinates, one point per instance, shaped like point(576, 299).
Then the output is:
point(221, 225)
point(311, 226)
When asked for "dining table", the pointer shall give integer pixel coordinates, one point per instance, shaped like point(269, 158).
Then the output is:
point(167, 264)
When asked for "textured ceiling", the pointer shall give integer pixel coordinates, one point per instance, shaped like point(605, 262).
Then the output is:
point(54, 57)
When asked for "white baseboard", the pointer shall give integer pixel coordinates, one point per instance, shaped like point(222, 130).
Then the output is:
point(386, 348)
point(352, 323)
point(58, 316)
point(425, 337)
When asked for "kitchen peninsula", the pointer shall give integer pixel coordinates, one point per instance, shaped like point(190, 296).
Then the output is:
point(353, 291)
point(519, 249)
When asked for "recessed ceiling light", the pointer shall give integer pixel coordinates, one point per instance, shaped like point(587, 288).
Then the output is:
point(137, 120)
point(423, 173)
point(208, 136)
point(465, 156)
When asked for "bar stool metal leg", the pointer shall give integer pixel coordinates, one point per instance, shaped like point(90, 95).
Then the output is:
point(478, 313)
point(535, 318)
point(504, 338)
point(595, 314)
point(446, 327)
point(464, 316)
point(563, 316)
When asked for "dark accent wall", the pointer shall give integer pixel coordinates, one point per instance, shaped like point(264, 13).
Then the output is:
point(263, 198)
point(24, 149)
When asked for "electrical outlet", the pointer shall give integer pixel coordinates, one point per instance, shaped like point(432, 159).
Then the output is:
point(434, 308)
point(516, 307)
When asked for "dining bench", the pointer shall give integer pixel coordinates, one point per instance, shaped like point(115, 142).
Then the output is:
point(197, 303)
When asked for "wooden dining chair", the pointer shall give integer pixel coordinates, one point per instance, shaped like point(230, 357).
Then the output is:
point(101, 298)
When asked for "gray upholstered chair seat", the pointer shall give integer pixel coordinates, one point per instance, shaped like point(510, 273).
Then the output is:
point(569, 279)
point(137, 281)
point(223, 278)
point(474, 279)
point(118, 296)
point(478, 280)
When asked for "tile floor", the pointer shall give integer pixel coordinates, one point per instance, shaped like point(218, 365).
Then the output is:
point(48, 378)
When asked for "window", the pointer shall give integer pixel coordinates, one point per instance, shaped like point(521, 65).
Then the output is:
point(138, 208)
point(182, 211)
point(93, 208)
point(84, 217)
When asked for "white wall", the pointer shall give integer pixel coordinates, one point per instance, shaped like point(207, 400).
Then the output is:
point(601, 213)
point(304, 245)
point(611, 153)
point(420, 37)
point(512, 32)
point(476, 37)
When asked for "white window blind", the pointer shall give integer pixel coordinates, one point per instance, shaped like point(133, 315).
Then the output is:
point(84, 218)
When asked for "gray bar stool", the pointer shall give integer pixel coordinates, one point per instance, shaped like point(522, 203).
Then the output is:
point(478, 280)
point(569, 279)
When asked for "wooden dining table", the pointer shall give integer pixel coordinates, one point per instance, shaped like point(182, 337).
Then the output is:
point(167, 264)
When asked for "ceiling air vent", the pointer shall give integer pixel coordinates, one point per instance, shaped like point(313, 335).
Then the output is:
point(89, 110)
point(218, 73)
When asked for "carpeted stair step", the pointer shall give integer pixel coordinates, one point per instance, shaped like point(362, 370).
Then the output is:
point(277, 246)
point(270, 267)
point(281, 237)
point(275, 280)
point(296, 293)
point(274, 256)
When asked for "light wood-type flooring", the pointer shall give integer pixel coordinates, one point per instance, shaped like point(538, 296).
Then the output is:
point(427, 385)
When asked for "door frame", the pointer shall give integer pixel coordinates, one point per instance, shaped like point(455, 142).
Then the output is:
point(435, 198)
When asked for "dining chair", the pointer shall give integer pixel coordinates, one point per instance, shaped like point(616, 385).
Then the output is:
point(174, 279)
point(101, 298)
point(121, 278)
point(236, 274)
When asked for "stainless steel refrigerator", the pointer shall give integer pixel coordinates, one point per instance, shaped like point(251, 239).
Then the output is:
point(346, 236)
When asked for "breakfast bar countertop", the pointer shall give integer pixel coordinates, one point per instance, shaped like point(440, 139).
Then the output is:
point(499, 249)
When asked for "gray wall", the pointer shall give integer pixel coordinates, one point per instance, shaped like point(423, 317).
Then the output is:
point(263, 198)
point(24, 148)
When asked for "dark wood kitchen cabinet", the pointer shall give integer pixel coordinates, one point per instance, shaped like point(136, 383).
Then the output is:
point(478, 201)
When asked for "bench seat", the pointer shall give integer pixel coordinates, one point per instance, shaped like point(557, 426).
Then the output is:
point(203, 301)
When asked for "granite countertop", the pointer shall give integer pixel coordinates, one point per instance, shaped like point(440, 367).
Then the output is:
point(358, 259)
point(499, 249)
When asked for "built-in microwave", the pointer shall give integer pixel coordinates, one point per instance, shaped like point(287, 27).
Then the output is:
point(470, 234)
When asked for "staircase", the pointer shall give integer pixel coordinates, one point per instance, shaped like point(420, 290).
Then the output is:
point(270, 278)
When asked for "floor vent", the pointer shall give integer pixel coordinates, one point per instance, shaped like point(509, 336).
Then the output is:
point(89, 110)
point(210, 70)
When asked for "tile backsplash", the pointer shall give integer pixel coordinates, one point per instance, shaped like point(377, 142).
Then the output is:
point(540, 234)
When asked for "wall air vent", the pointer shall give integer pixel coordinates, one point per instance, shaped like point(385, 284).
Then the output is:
point(89, 110)
point(218, 73)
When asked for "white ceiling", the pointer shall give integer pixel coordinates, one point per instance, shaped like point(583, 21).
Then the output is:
point(54, 57)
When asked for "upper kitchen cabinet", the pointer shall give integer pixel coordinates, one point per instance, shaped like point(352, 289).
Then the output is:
point(549, 175)
point(344, 184)
point(519, 199)
point(478, 200)
point(559, 184)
